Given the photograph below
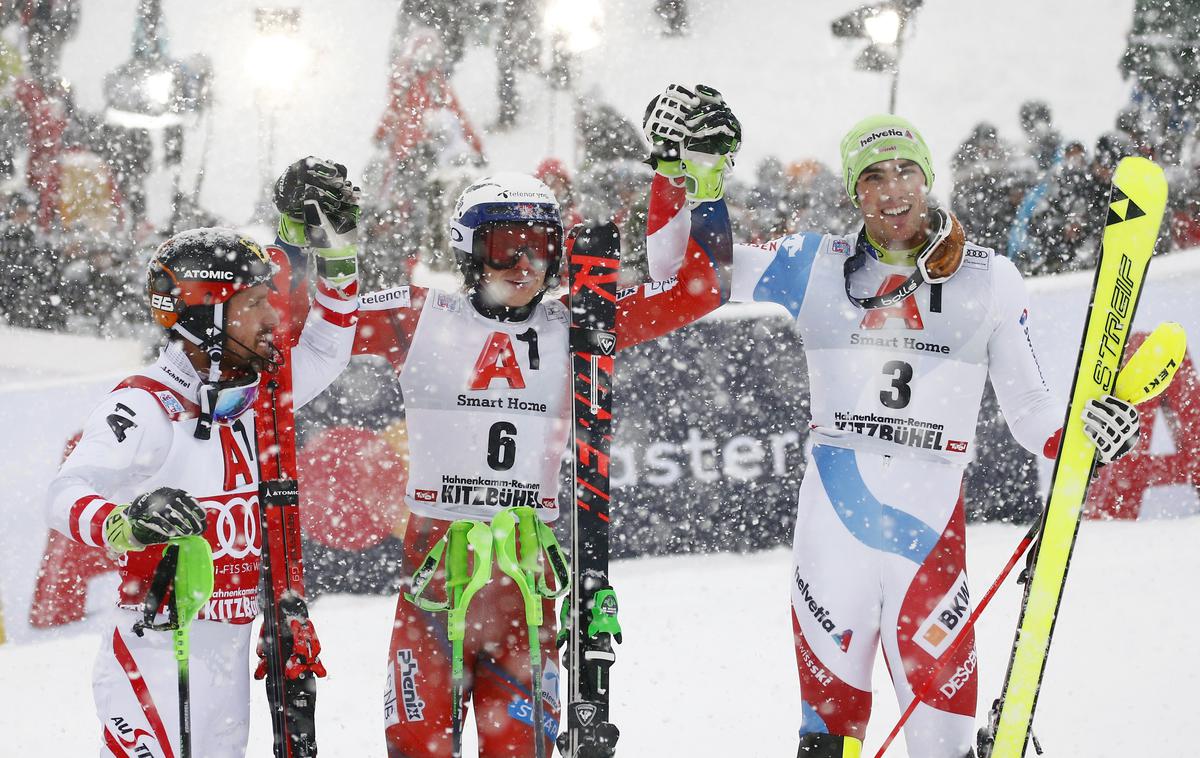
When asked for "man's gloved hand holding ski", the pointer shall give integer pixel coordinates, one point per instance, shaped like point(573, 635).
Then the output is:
point(1113, 425)
point(154, 518)
point(319, 209)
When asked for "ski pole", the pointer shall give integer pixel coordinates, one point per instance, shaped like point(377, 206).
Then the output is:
point(193, 588)
point(919, 696)
point(186, 572)
point(521, 524)
point(464, 578)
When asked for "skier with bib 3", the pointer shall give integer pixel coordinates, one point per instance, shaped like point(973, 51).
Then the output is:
point(902, 323)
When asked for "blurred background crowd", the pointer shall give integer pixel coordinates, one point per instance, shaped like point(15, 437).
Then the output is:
point(75, 233)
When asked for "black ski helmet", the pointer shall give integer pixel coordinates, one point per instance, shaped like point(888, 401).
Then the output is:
point(193, 275)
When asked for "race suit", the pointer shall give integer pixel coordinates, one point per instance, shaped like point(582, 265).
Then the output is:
point(879, 547)
point(487, 404)
point(139, 438)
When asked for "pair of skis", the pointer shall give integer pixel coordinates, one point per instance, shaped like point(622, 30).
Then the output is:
point(288, 647)
point(1136, 206)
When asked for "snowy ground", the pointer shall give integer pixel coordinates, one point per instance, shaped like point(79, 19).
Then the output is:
point(707, 669)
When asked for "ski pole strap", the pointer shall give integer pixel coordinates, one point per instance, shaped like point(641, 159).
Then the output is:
point(184, 579)
point(465, 575)
point(193, 587)
point(520, 539)
point(160, 588)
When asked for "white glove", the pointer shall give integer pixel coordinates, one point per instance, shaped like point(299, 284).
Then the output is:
point(1113, 425)
point(663, 125)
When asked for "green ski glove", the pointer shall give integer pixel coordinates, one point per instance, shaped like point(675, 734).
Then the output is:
point(663, 125)
point(319, 209)
point(714, 136)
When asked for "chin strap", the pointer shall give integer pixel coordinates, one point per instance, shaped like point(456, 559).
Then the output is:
point(940, 227)
point(503, 312)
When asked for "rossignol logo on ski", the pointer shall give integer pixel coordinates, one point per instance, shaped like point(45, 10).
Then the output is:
point(607, 342)
point(414, 706)
point(584, 712)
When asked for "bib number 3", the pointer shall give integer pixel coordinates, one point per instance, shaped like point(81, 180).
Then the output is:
point(898, 394)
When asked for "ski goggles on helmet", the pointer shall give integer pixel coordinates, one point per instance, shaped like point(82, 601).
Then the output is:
point(234, 397)
point(501, 244)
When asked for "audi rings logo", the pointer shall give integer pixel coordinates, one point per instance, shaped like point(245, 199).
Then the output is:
point(233, 527)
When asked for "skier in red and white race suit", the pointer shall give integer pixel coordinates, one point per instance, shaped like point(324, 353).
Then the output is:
point(485, 374)
point(171, 451)
point(902, 323)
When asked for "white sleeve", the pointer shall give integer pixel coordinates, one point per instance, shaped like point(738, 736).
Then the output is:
point(1031, 412)
point(325, 345)
point(775, 272)
point(124, 441)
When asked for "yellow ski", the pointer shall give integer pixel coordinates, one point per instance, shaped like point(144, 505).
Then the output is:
point(1136, 205)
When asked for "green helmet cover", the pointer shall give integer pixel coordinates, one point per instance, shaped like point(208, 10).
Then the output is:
point(879, 138)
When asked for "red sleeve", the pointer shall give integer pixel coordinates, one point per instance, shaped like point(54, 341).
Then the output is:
point(389, 331)
point(653, 309)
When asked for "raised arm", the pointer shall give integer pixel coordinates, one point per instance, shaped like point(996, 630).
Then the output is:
point(319, 209)
point(653, 309)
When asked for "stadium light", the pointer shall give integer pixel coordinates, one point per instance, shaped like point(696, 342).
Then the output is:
point(277, 55)
point(274, 61)
point(883, 24)
point(576, 23)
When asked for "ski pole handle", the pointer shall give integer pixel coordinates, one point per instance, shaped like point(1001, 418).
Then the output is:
point(465, 575)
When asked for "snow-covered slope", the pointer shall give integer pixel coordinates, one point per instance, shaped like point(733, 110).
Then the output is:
point(707, 668)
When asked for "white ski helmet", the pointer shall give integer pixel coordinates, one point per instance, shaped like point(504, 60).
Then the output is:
point(500, 198)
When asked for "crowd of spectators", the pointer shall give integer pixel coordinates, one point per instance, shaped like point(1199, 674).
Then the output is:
point(74, 259)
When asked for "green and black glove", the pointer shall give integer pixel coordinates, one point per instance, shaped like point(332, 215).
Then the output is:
point(153, 518)
point(319, 209)
point(714, 136)
point(663, 125)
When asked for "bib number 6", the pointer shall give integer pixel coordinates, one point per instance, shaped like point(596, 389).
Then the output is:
point(502, 446)
point(898, 393)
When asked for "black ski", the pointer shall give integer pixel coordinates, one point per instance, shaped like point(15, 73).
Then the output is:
point(591, 613)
